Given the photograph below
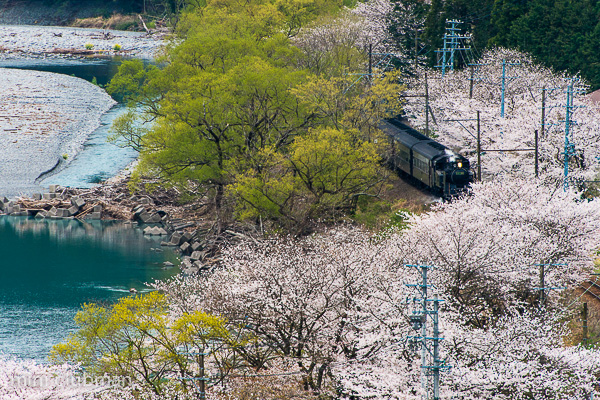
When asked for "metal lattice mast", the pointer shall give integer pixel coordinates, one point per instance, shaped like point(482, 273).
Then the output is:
point(452, 42)
point(429, 345)
point(569, 146)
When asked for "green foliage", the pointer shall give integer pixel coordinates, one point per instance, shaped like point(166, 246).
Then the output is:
point(132, 82)
point(137, 338)
point(380, 215)
point(561, 34)
point(127, 131)
point(231, 108)
point(89, 46)
point(117, 47)
point(322, 176)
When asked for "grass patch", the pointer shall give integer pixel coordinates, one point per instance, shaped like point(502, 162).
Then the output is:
point(395, 203)
point(116, 21)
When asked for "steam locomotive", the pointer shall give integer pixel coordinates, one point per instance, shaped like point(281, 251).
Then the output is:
point(426, 161)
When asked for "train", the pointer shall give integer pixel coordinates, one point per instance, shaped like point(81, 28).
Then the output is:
point(425, 161)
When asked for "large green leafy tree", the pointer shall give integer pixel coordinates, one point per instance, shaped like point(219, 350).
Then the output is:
point(139, 339)
point(232, 101)
point(222, 96)
point(325, 171)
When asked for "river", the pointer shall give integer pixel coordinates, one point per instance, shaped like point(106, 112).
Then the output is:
point(98, 159)
point(49, 268)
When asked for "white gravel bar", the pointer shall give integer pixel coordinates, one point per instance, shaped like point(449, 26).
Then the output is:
point(43, 116)
point(47, 39)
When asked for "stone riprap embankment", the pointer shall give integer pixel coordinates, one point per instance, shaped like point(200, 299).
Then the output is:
point(17, 41)
point(44, 120)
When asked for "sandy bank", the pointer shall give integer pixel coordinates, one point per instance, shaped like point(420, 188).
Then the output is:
point(43, 116)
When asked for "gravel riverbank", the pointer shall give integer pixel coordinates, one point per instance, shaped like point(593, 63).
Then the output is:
point(19, 41)
point(44, 117)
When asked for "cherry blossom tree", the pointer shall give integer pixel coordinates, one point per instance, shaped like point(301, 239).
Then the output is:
point(455, 99)
point(488, 245)
point(521, 357)
point(302, 299)
point(376, 25)
point(27, 379)
point(335, 303)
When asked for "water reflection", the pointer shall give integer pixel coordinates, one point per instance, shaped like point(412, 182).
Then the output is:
point(50, 267)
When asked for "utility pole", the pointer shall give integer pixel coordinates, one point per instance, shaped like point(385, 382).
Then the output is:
point(436, 348)
point(472, 69)
point(504, 78)
point(416, 47)
point(201, 378)
point(426, 106)
point(568, 147)
point(370, 60)
point(430, 366)
point(478, 147)
point(543, 288)
point(536, 154)
point(543, 111)
point(584, 321)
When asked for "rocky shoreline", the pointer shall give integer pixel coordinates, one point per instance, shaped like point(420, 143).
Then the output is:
point(157, 215)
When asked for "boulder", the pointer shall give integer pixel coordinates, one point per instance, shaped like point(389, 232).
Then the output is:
point(197, 246)
point(36, 196)
point(176, 238)
point(198, 255)
point(185, 248)
point(77, 202)
point(62, 213)
point(41, 214)
point(186, 262)
point(154, 231)
point(94, 215)
point(187, 236)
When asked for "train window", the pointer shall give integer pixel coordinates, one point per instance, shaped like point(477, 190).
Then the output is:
point(421, 165)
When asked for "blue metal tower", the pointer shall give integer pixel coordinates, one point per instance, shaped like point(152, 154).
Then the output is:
point(430, 357)
point(452, 42)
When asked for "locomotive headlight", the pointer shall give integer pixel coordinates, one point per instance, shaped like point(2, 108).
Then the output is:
point(459, 165)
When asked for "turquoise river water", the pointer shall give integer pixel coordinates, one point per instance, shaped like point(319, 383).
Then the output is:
point(49, 268)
